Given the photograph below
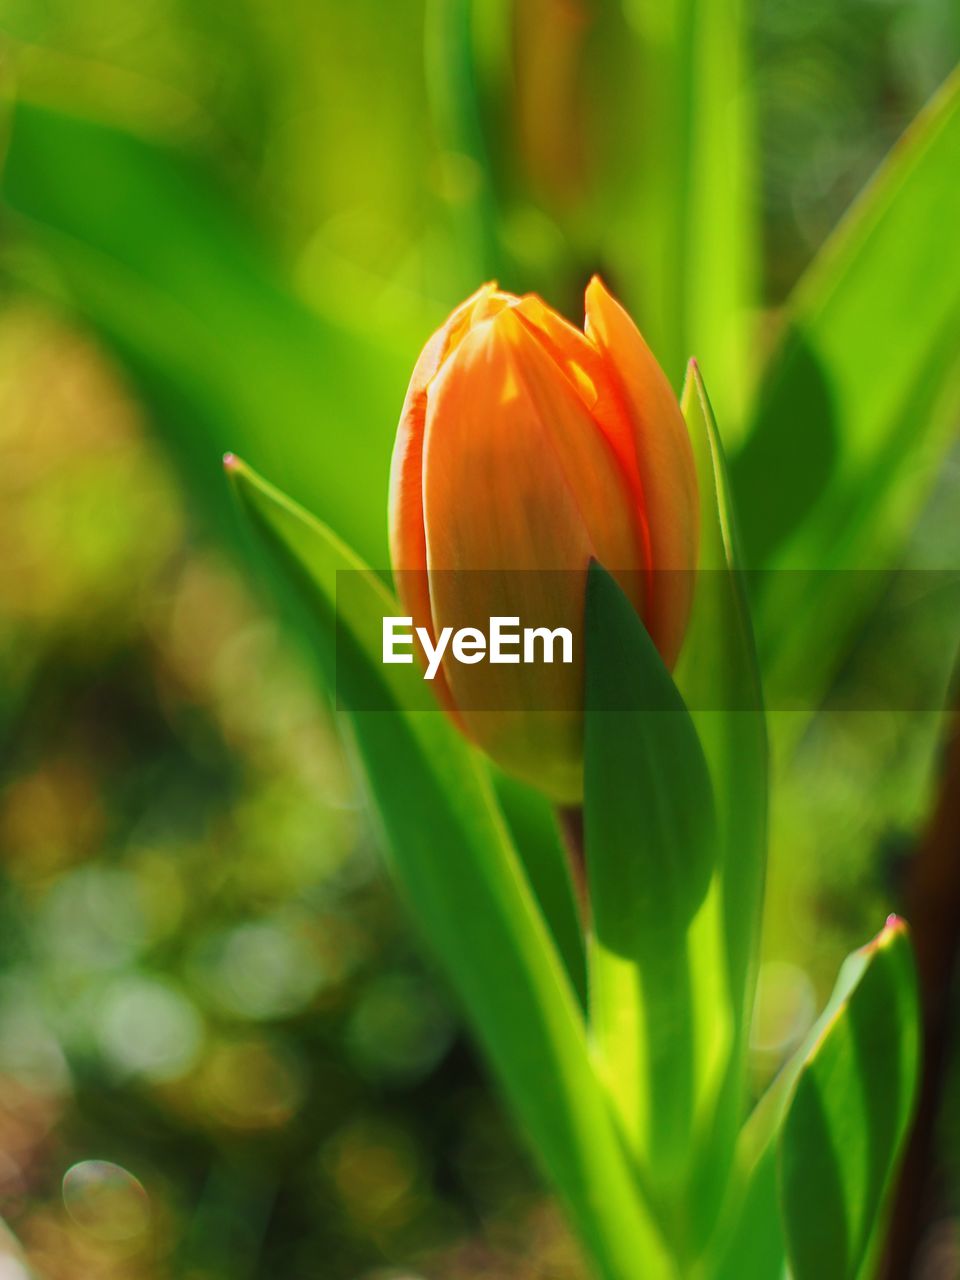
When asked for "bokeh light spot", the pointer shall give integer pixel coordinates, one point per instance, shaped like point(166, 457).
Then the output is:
point(261, 970)
point(148, 1028)
point(106, 1200)
point(12, 1269)
point(375, 1170)
point(400, 1029)
point(251, 1084)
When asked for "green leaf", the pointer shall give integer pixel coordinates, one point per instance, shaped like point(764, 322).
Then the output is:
point(858, 405)
point(454, 860)
point(719, 678)
point(654, 955)
point(817, 1156)
point(849, 1115)
point(754, 1249)
point(154, 258)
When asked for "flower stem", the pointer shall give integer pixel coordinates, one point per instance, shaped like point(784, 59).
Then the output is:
point(571, 828)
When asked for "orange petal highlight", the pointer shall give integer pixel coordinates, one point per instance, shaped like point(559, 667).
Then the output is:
point(408, 552)
point(516, 478)
point(664, 459)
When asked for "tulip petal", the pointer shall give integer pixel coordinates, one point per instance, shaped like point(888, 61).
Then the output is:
point(566, 344)
point(573, 351)
point(664, 459)
point(507, 423)
point(516, 477)
point(407, 546)
point(408, 552)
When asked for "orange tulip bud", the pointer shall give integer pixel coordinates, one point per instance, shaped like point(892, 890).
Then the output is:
point(526, 446)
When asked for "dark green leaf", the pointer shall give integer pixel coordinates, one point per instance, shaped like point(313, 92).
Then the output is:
point(651, 858)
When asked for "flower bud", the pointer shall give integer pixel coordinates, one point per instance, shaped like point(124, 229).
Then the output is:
point(525, 449)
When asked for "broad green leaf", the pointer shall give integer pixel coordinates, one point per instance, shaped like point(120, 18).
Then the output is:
point(655, 952)
point(859, 401)
point(454, 860)
point(719, 678)
point(816, 1158)
point(849, 1115)
point(154, 258)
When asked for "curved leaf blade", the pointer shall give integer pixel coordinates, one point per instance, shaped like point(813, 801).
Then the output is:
point(834, 408)
point(849, 1116)
point(812, 1193)
point(453, 858)
point(858, 408)
point(719, 669)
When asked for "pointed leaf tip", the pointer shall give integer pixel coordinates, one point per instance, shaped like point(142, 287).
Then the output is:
point(893, 927)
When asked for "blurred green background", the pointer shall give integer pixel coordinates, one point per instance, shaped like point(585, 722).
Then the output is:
point(221, 1052)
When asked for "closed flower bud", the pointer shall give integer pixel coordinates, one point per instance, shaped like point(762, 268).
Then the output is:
point(527, 447)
